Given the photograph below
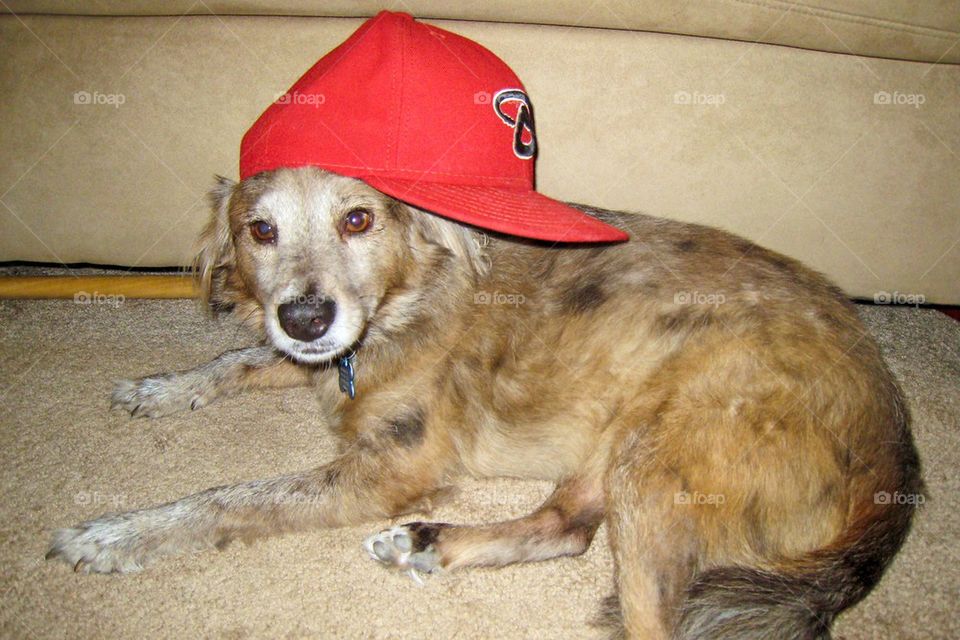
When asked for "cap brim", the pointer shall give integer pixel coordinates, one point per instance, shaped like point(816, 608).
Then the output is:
point(522, 213)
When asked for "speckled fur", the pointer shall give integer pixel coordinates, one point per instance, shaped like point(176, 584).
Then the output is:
point(717, 405)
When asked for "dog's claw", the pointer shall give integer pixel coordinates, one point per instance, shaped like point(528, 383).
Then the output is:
point(114, 543)
point(416, 577)
point(162, 395)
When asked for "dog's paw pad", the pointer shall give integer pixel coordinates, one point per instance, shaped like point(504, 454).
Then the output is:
point(402, 548)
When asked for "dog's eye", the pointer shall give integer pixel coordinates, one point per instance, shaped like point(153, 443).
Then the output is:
point(357, 221)
point(263, 232)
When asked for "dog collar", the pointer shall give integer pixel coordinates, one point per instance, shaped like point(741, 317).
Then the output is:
point(347, 375)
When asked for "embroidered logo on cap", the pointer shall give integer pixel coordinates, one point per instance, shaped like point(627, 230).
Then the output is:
point(524, 136)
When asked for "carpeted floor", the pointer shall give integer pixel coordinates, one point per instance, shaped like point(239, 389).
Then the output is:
point(64, 457)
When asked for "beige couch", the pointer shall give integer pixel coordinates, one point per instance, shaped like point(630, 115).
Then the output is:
point(826, 129)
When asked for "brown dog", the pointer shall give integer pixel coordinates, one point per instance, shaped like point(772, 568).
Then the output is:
point(718, 405)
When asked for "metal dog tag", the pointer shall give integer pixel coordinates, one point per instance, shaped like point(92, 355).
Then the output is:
point(347, 375)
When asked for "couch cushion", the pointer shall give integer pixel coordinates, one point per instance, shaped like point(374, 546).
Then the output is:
point(927, 30)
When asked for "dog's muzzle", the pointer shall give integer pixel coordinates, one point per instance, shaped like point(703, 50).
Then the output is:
point(306, 321)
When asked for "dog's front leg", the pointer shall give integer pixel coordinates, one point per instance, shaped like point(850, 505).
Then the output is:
point(368, 482)
point(232, 371)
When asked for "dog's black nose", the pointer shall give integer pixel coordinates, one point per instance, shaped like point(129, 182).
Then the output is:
point(307, 321)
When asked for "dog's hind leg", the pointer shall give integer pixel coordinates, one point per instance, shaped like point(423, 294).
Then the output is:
point(231, 372)
point(654, 543)
point(563, 526)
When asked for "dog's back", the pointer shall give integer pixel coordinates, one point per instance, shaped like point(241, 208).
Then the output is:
point(759, 468)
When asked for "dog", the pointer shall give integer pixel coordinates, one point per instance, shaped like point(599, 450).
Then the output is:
point(718, 405)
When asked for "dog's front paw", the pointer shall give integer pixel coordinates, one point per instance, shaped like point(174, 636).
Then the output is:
point(161, 395)
point(107, 545)
point(410, 547)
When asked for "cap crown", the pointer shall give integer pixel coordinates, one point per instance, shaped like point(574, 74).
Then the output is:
point(401, 99)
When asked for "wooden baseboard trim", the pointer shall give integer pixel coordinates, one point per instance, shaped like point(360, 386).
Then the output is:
point(90, 288)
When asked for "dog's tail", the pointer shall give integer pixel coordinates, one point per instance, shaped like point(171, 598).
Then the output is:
point(799, 599)
point(796, 600)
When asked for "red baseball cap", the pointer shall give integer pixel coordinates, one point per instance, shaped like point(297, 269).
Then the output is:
point(426, 116)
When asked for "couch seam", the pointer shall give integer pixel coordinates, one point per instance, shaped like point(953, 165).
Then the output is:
point(839, 16)
point(820, 12)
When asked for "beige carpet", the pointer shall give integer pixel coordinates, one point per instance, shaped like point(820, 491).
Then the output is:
point(65, 458)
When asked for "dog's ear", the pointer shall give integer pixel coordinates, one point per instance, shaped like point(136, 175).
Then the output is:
point(215, 258)
point(468, 245)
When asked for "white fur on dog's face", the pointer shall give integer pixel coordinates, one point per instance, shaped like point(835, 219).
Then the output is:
point(313, 255)
point(377, 278)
